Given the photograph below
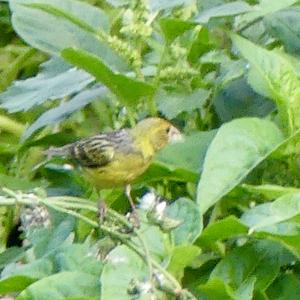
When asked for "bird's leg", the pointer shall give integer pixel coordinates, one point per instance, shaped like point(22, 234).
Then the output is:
point(135, 216)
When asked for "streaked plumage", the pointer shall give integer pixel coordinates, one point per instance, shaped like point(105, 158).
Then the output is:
point(118, 158)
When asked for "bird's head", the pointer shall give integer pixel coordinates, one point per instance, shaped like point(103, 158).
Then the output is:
point(157, 131)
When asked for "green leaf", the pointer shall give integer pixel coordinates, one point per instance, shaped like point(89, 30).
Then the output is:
point(188, 154)
point(122, 266)
point(270, 191)
point(285, 26)
point(15, 284)
point(263, 217)
point(14, 183)
point(46, 240)
point(130, 91)
point(238, 147)
point(216, 289)
point(287, 286)
point(62, 285)
point(11, 255)
point(224, 10)
point(173, 28)
point(78, 257)
point(261, 261)
point(237, 99)
point(159, 171)
point(65, 109)
point(56, 80)
point(161, 5)
point(221, 230)
point(181, 257)
point(74, 24)
point(172, 104)
point(264, 8)
point(187, 212)
point(37, 269)
point(272, 75)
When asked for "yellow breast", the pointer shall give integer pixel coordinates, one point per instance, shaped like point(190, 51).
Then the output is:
point(123, 170)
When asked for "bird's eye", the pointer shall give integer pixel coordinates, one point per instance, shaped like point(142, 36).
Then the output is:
point(168, 129)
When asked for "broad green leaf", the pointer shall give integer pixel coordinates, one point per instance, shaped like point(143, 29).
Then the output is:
point(11, 255)
point(65, 109)
point(264, 216)
point(229, 227)
point(130, 91)
point(46, 240)
point(216, 289)
point(238, 147)
point(287, 286)
point(187, 212)
point(74, 24)
point(78, 257)
point(157, 241)
point(56, 80)
point(246, 289)
point(156, 5)
point(261, 260)
point(228, 9)
point(15, 183)
point(285, 25)
point(173, 28)
point(237, 99)
point(182, 257)
point(270, 191)
point(264, 8)
point(172, 104)
point(188, 154)
point(159, 171)
point(62, 285)
point(37, 269)
point(15, 283)
point(272, 75)
point(121, 268)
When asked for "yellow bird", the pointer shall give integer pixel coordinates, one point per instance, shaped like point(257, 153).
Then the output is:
point(117, 158)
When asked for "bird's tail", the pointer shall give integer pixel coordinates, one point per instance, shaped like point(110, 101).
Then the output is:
point(58, 151)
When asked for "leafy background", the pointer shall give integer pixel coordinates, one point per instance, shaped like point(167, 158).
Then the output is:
point(224, 223)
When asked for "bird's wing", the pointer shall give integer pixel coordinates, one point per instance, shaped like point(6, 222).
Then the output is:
point(96, 151)
point(100, 150)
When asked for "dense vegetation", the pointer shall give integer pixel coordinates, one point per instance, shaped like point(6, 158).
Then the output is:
point(220, 211)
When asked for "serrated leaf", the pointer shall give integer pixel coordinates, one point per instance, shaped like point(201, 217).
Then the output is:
point(56, 80)
point(130, 91)
point(238, 147)
point(285, 25)
point(65, 109)
point(224, 10)
point(74, 24)
point(272, 75)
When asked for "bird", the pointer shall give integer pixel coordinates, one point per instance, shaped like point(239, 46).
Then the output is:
point(118, 158)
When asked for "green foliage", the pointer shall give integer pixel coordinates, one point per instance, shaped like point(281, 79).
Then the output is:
point(219, 212)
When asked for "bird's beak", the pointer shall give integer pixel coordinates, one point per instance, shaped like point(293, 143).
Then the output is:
point(174, 135)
